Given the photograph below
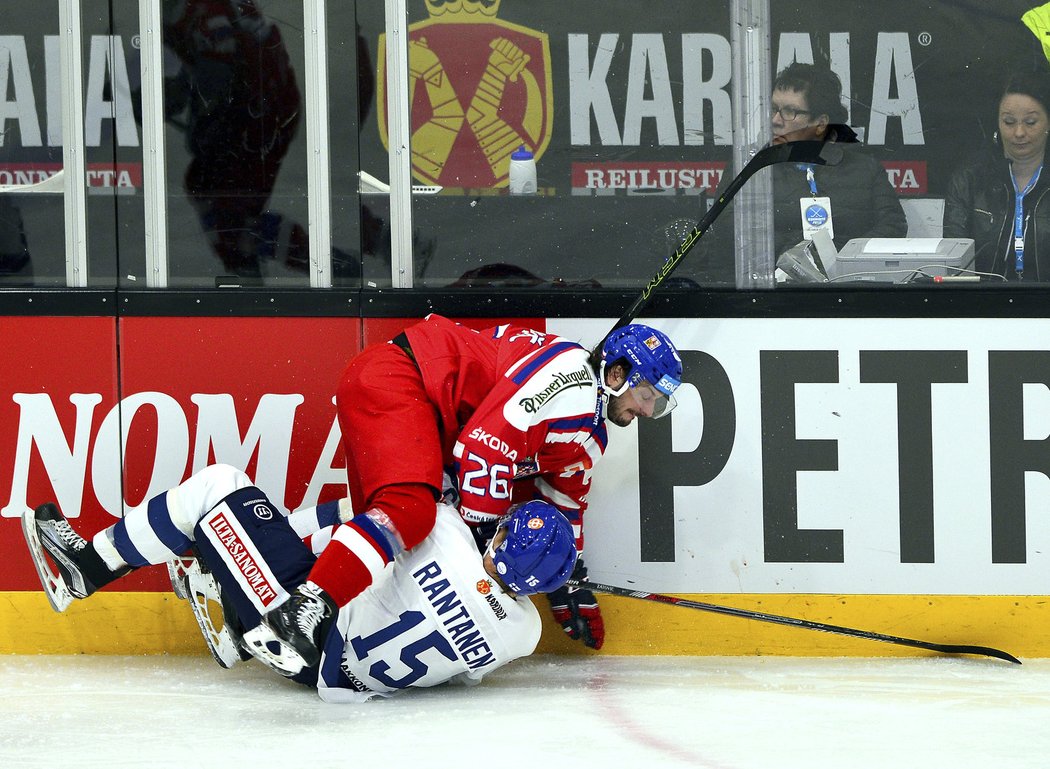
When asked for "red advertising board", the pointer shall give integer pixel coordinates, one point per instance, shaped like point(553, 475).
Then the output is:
point(253, 392)
point(59, 383)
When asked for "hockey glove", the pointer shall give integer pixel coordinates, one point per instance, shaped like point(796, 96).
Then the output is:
point(576, 609)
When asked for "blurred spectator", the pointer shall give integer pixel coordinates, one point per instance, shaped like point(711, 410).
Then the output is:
point(233, 93)
point(996, 199)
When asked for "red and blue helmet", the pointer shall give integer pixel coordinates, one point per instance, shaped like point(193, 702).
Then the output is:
point(653, 361)
point(539, 551)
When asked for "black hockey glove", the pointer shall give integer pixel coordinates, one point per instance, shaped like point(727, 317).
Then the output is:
point(576, 609)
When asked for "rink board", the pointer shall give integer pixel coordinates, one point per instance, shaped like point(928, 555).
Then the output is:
point(887, 474)
point(158, 623)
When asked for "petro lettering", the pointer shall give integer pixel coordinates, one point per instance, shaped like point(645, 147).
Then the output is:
point(661, 469)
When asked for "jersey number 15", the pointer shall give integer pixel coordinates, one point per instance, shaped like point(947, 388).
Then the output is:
point(363, 645)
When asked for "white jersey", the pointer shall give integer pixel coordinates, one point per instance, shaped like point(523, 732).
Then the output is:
point(439, 617)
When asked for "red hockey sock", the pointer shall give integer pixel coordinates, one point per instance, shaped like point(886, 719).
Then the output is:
point(353, 560)
point(362, 548)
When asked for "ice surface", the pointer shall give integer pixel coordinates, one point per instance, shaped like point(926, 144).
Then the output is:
point(544, 712)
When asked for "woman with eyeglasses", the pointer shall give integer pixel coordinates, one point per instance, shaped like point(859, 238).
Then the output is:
point(853, 199)
point(1001, 199)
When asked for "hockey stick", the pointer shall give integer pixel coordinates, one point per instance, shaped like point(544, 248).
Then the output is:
point(984, 651)
point(823, 153)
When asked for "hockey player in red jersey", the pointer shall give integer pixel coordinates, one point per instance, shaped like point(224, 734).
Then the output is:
point(509, 413)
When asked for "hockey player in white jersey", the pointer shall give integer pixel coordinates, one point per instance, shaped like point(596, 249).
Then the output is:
point(445, 612)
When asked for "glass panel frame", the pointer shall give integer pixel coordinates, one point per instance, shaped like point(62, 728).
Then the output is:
point(33, 172)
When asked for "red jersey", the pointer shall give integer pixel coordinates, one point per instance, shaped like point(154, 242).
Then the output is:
point(514, 404)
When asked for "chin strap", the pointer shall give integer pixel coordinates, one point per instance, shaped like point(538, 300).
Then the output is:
point(608, 391)
point(603, 392)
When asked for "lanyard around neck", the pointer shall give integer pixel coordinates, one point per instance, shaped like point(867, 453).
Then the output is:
point(1019, 219)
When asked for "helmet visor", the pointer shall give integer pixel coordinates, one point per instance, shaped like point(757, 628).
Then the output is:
point(660, 396)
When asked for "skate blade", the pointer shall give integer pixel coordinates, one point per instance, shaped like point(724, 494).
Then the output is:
point(55, 587)
point(206, 603)
point(177, 568)
point(287, 661)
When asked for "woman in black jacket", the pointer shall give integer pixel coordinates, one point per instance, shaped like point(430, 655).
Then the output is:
point(1001, 200)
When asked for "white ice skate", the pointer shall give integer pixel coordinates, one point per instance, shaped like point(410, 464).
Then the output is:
point(193, 583)
point(271, 651)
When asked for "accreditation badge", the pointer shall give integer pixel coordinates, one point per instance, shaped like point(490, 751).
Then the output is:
point(816, 215)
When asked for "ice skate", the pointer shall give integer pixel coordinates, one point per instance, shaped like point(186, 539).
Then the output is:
point(78, 572)
point(193, 581)
point(297, 627)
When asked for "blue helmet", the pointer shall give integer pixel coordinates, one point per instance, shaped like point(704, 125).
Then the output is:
point(539, 551)
point(653, 360)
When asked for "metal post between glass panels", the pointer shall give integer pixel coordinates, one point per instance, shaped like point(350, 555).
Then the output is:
point(73, 162)
point(399, 127)
point(753, 207)
point(154, 176)
point(318, 137)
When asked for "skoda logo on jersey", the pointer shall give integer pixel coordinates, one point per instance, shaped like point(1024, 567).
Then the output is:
point(263, 512)
point(817, 215)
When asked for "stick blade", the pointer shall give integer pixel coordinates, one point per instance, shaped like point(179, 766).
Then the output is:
point(980, 651)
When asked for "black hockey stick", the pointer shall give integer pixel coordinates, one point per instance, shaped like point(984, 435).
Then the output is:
point(801, 623)
point(823, 153)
